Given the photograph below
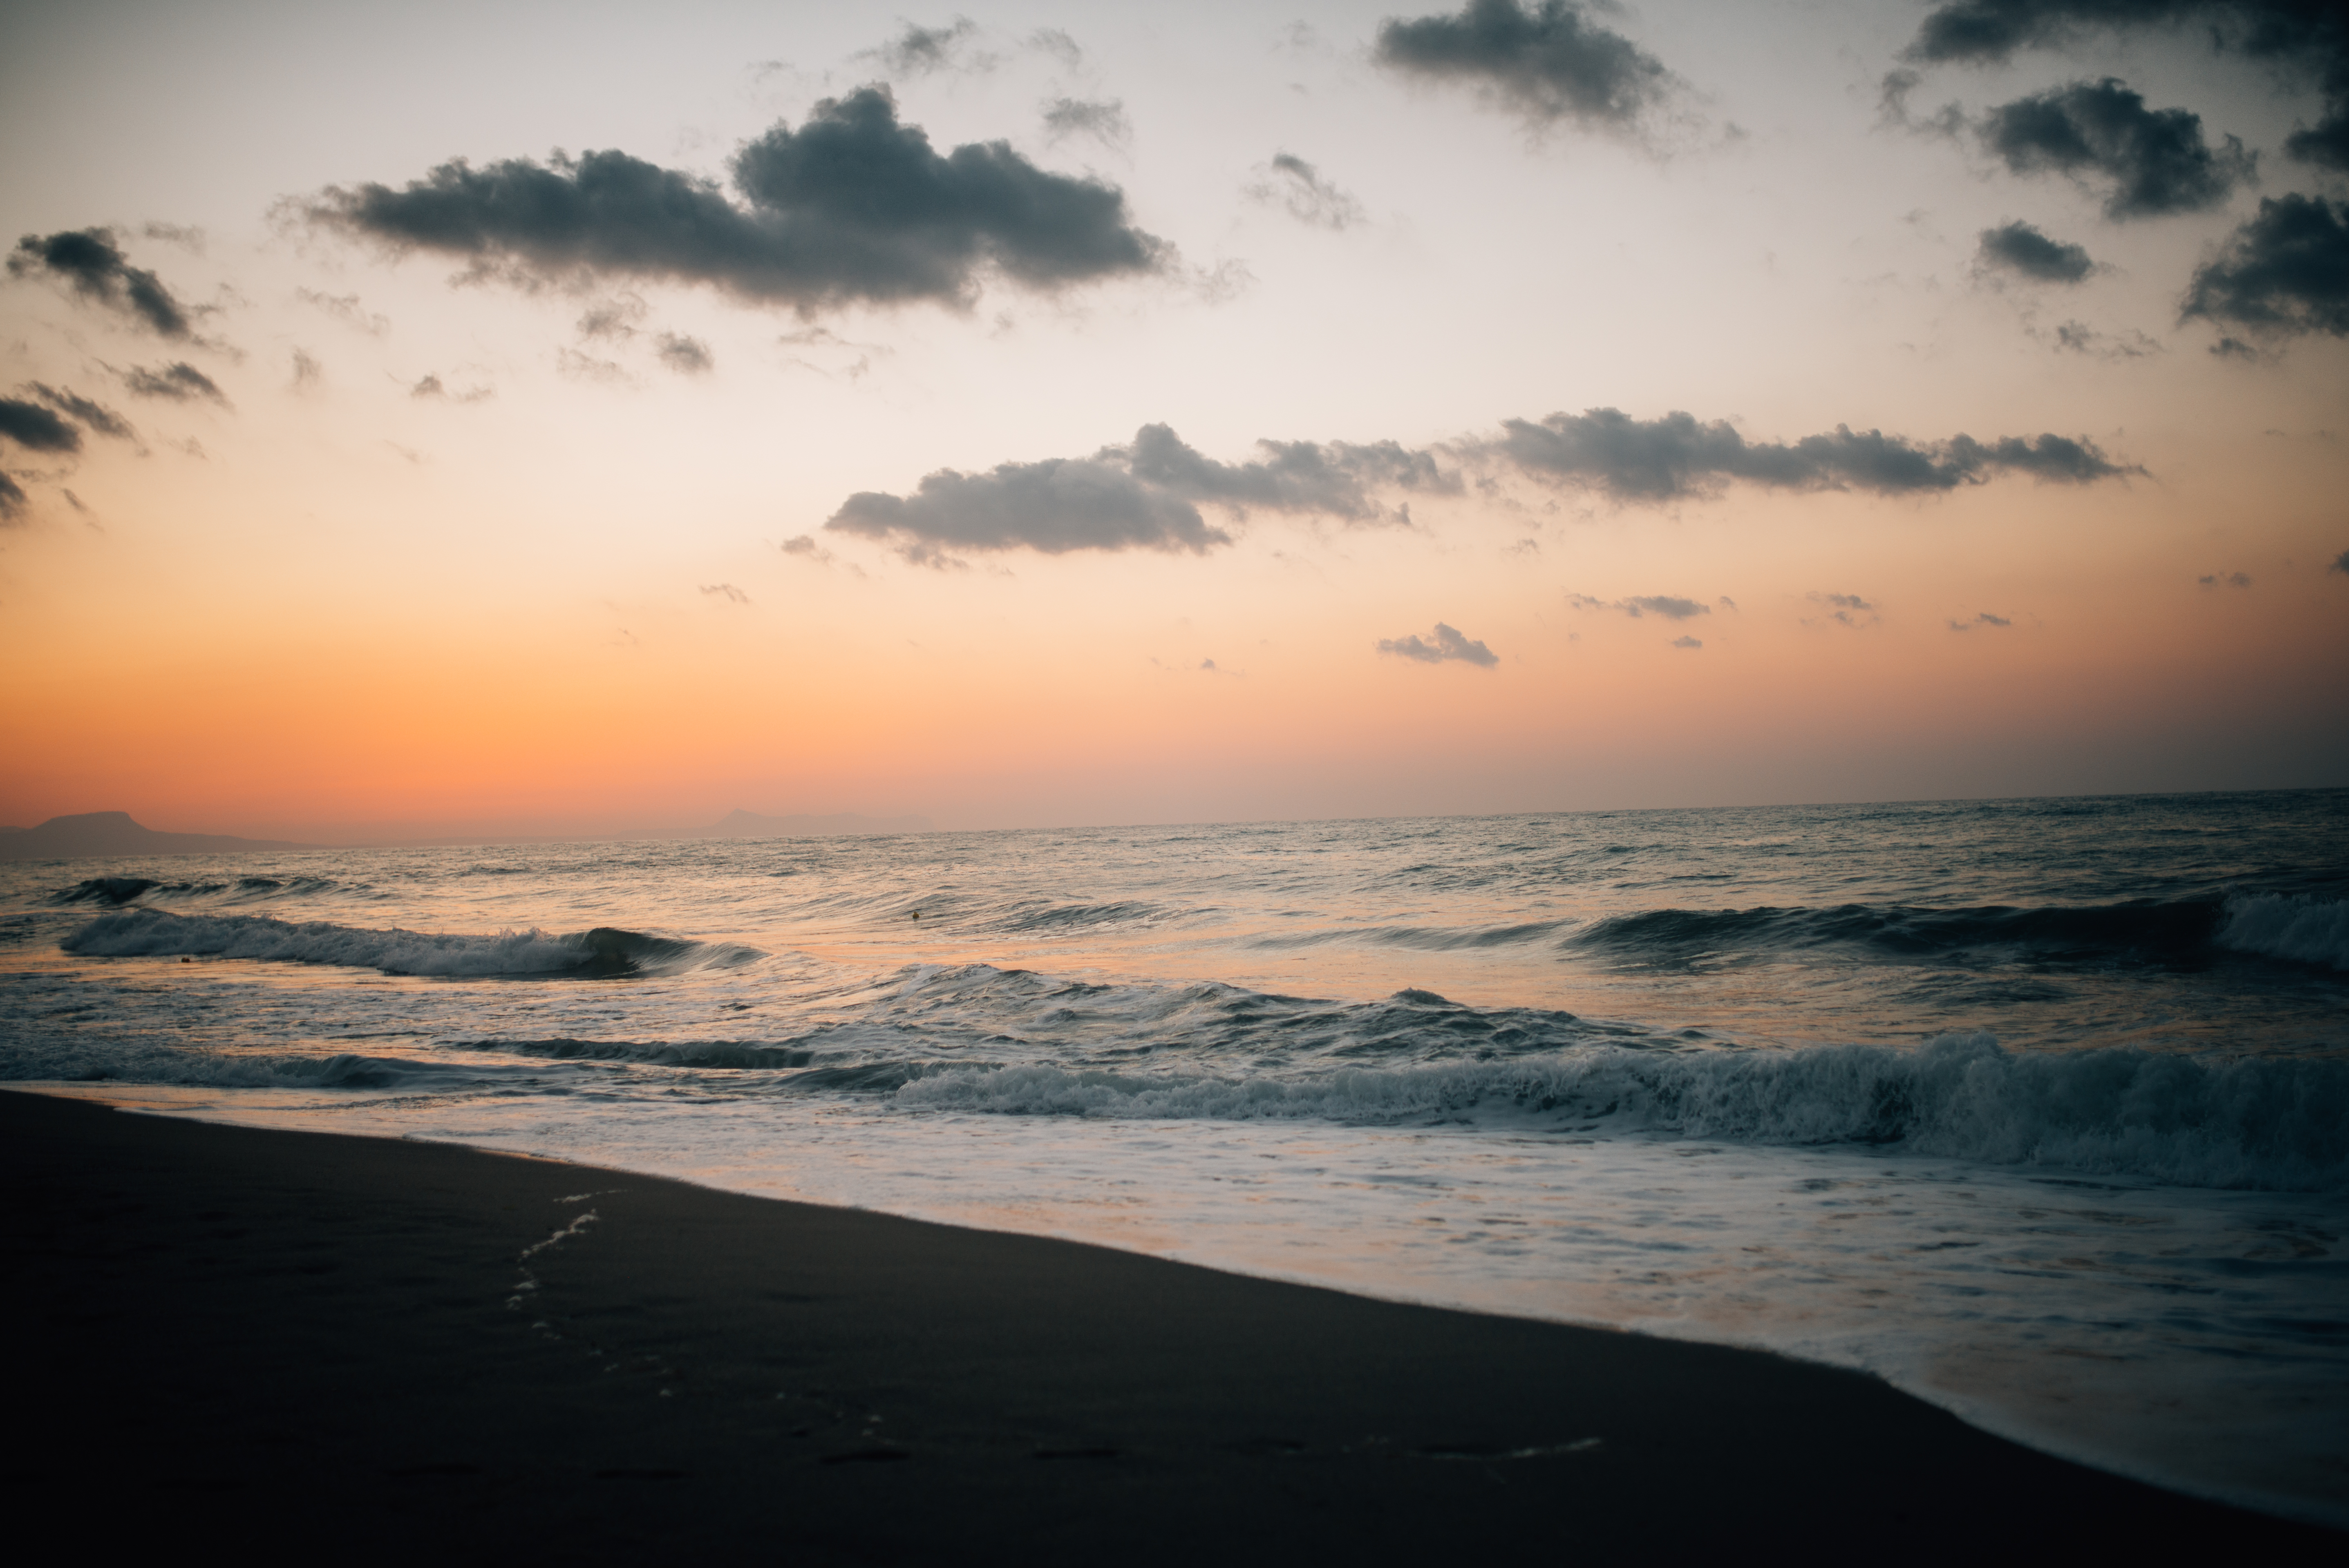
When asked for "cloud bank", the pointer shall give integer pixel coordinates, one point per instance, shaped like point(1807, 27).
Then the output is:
point(1147, 494)
point(1674, 456)
point(94, 266)
point(1549, 63)
point(1448, 647)
point(2311, 33)
point(853, 207)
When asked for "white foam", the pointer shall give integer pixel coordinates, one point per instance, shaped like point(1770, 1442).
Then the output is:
point(2308, 930)
point(2257, 1123)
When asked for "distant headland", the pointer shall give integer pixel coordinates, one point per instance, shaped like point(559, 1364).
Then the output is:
point(114, 833)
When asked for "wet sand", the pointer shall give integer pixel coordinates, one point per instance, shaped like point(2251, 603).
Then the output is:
point(283, 1342)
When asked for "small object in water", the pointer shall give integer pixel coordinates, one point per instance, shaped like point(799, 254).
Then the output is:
point(185, 959)
point(917, 915)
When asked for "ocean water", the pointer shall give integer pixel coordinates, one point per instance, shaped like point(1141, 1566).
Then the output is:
point(2037, 1108)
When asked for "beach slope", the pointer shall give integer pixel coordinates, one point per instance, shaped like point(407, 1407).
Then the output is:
point(291, 1342)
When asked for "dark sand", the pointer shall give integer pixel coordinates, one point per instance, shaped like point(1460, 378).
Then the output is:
point(281, 1343)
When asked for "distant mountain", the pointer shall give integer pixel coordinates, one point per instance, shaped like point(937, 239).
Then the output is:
point(114, 833)
point(740, 824)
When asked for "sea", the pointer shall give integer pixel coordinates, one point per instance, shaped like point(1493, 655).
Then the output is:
point(2038, 1109)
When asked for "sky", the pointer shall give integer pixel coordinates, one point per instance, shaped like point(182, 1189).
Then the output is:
point(586, 419)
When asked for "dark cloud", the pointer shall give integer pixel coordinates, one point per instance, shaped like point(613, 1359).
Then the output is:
point(36, 428)
point(1549, 63)
point(95, 415)
point(686, 355)
point(2284, 271)
point(90, 261)
point(2149, 162)
point(1143, 495)
point(924, 51)
point(1674, 456)
point(2231, 580)
point(1299, 189)
point(2340, 563)
point(179, 381)
point(1103, 120)
point(1054, 506)
point(1449, 646)
point(2021, 248)
point(1670, 606)
point(853, 206)
point(13, 500)
point(2311, 34)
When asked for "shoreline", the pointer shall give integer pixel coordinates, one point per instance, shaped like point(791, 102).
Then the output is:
point(268, 1331)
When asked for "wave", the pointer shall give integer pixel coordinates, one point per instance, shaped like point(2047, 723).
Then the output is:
point(2250, 1123)
point(83, 1060)
point(120, 892)
point(605, 952)
point(2306, 930)
point(2181, 934)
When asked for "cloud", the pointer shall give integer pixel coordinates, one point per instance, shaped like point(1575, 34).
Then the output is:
point(1846, 609)
point(1674, 456)
point(1686, 643)
point(614, 318)
point(2150, 162)
point(1983, 619)
point(725, 591)
point(924, 51)
point(1297, 188)
point(346, 309)
point(433, 386)
point(2079, 338)
point(686, 355)
point(2231, 580)
point(2340, 563)
point(1670, 606)
point(90, 261)
point(577, 367)
point(2294, 32)
point(1549, 63)
point(2284, 271)
point(308, 372)
point(1448, 647)
point(1103, 120)
point(1056, 43)
point(1143, 495)
point(13, 500)
point(2021, 248)
point(36, 428)
point(178, 381)
point(852, 207)
point(96, 416)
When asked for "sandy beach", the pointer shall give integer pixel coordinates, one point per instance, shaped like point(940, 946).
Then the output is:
point(296, 1342)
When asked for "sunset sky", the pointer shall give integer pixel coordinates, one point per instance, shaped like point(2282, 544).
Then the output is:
point(467, 419)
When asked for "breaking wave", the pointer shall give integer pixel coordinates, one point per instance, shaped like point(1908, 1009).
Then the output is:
point(2306, 930)
point(603, 952)
point(120, 892)
point(2184, 932)
point(2251, 1124)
